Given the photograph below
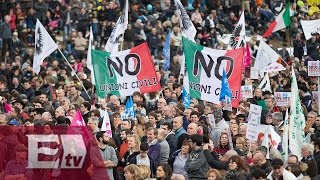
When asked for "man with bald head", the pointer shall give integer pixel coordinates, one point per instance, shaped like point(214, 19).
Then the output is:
point(192, 129)
point(168, 112)
point(46, 116)
point(60, 95)
point(180, 133)
point(177, 177)
point(260, 161)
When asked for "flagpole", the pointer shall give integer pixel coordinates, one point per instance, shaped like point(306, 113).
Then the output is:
point(318, 95)
point(85, 90)
point(122, 42)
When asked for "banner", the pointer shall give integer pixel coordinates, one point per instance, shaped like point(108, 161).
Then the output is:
point(315, 96)
point(285, 138)
point(166, 52)
point(254, 73)
point(130, 113)
point(78, 126)
point(44, 46)
point(120, 27)
point(225, 93)
point(265, 83)
point(254, 114)
point(238, 37)
point(89, 60)
point(122, 73)
point(246, 92)
point(282, 98)
point(310, 27)
point(259, 132)
point(297, 119)
point(106, 125)
point(313, 68)
point(205, 67)
point(247, 57)
point(274, 67)
point(265, 56)
point(187, 28)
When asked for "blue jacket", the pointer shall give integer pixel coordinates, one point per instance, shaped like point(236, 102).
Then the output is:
point(154, 152)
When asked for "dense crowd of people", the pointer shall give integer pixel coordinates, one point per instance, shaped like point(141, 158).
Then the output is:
point(164, 140)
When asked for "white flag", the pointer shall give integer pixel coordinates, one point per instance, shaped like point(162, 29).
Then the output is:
point(265, 56)
point(297, 119)
point(106, 125)
point(265, 142)
point(186, 25)
point(265, 83)
point(222, 125)
point(285, 138)
point(270, 138)
point(44, 46)
point(310, 27)
point(89, 59)
point(238, 37)
point(120, 27)
point(273, 67)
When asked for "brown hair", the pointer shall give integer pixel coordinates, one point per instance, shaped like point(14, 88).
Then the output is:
point(239, 161)
point(186, 143)
point(155, 130)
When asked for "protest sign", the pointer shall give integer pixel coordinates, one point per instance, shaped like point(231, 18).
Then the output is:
point(246, 92)
point(282, 98)
point(313, 68)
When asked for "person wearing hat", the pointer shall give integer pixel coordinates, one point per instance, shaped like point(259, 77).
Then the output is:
point(21, 114)
point(279, 172)
point(19, 168)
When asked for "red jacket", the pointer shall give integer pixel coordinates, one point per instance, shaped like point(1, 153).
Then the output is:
point(123, 148)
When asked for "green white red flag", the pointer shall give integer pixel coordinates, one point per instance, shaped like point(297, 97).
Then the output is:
point(124, 72)
point(282, 21)
point(205, 67)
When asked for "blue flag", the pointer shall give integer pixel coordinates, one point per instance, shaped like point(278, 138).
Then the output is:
point(166, 52)
point(186, 98)
point(225, 93)
point(129, 108)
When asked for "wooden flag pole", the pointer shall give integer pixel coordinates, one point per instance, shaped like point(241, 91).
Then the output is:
point(85, 90)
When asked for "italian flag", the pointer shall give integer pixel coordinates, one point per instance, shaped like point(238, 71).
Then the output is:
point(124, 72)
point(282, 21)
point(205, 68)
